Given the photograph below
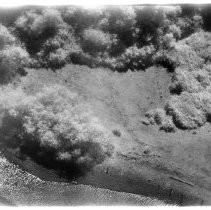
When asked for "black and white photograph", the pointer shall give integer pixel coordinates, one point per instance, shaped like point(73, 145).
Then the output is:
point(105, 104)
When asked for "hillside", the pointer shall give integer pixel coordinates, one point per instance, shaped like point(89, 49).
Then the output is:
point(107, 106)
point(120, 101)
point(21, 188)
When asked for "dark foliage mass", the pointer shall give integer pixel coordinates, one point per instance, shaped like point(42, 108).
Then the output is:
point(55, 127)
point(120, 38)
point(13, 56)
point(189, 105)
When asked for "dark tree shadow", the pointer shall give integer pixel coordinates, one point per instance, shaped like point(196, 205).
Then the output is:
point(13, 138)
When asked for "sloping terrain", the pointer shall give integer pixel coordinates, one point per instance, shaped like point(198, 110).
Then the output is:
point(21, 188)
point(146, 160)
point(132, 116)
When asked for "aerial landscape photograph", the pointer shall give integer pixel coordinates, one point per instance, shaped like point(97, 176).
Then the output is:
point(105, 105)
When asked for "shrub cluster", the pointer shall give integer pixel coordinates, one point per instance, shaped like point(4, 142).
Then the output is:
point(184, 111)
point(95, 41)
point(58, 50)
point(190, 110)
point(49, 40)
point(55, 127)
point(120, 21)
point(158, 116)
point(6, 38)
point(137, 58)
point(200, 42)
point(13, 57)
point(184, 80)
point(180, 56)
point(116, 37)
point(81, 18)
point(189, 61)
point(34, 28)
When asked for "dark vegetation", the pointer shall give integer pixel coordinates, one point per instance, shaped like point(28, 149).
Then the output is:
point(120, 38)
point(189, 105)
point(56, 126)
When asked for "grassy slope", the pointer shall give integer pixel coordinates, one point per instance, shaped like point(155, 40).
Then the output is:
point(120, 101)
point(21, 188)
